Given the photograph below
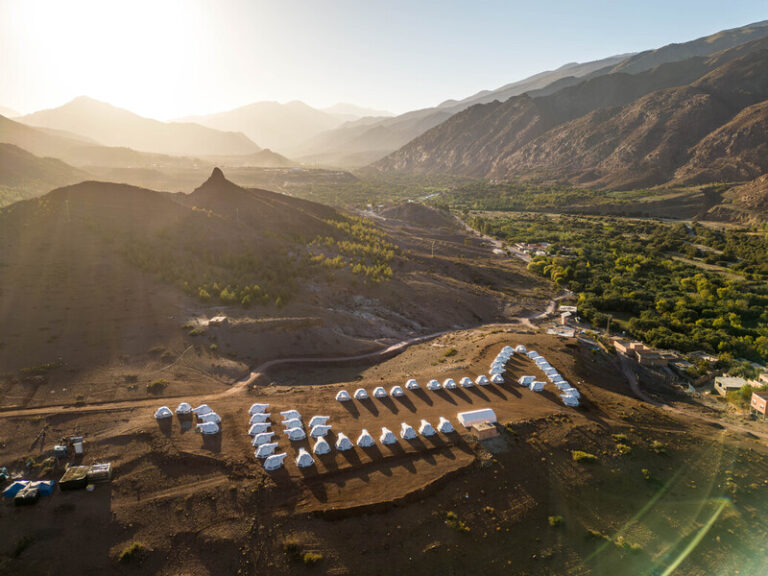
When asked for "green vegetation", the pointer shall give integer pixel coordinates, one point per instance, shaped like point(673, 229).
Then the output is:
point(41, 369)
point(451, 352)
point(452, 521)
point(555, 521)
point(623, 449)
point(674, 286)
point(133, 551)
point(311, 558)
point(157, 386)
point(581, 456)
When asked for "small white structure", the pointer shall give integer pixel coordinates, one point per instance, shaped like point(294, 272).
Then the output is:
point(257, 409)
point(292, 423)
point(265, 450)
point(412, 384)
point(295, 434)
point(482, 380)
point(379, 392)
point(520, 349)
point(449, 384)
point(433, 385)
point(562, 384)
point(320, 430)
point(258, 419)
point(343, 396)
point(387, 436)
point(262, 438)
point(304, 459)
point(537, 386)
point(365, 440)
point(163, 412)
point(508, 350)
point(184, 408)
point(497, 370)
point(275, 461)
point(571, 392)
point(290, 414)
point(396, 392)
point(407, 432)
point(426, 429)
point(475, 416)
point(202, 410)
point(532, 354)
point(445, 426)
point(317, 421)
point(497, 379)
point(208, 428)
point(210, 417)
point(343, 443)
point(466, 382)
point(569, 400)
point(321, 447)
point(361, 394)
point(526, 380)
point(258, 428)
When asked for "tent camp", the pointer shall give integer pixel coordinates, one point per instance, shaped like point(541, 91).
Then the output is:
point(318, 420)
point(265, 450)
point(449, 384)
point(202, 410)
point(343, 396)
point(445, 426)
point(379, 392)
point(343, 443)
point(426, 429)
point(290, 414)
point(258, 419)
point(433, 385)
point(258, 428)
point(295, 434)
point(407, 432)
point(257, 408)
point(475, 416)
point(526, 380)
point(361, 394)
point(292, 423)
point(304, 459)
point(210, 417)
point(320, 430)
point(412, 384)
point(466, 382)
point(482, 380)
point(497, 379)
point(275, 461)
point(365, 440)
point(208, 428)
point(537, 386)
point(396, 392)
point(262, 438)
point(163, 412)
point(387, 436)
point(321, 447)
point(184, 408)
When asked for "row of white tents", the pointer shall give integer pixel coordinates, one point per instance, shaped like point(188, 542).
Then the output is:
point(207, 420)
point(397, 391)
point(568, 394)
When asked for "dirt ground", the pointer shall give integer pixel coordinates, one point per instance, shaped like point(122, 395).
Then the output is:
point(681, 494)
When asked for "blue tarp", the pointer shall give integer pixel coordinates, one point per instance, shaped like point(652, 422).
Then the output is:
point(14, 488)
point(45, 487)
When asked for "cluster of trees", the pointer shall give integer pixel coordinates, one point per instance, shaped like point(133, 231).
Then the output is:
point(653, 279)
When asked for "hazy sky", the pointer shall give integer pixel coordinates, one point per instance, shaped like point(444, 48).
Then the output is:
point(167, 59)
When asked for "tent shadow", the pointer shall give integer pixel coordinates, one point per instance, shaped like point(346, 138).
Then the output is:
point(424, 396)
point(434, 440)
point(327, 460)
point(351, 456)
point(370, 405)
point(477, 391)
point(463, 395)
point(351, 408)
point(212, 442)
point(165, 425)
point(373, 452)
point(496, 391)
point(443, 393)
point(316, 488)
point(406, 402)
point(390, 404)
point(185, 422)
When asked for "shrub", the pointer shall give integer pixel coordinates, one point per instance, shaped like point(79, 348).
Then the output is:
point(658, 447)
point(623, 544)
point(134, 551)
point(451, 352)
point(621, 438)
point(452, 521)
point(312, 558)
point(21, 544)
point(157, 386)
point(199, 331)
point(581, 456)
point(623, 449)
point(647, 474)
point(555, 521)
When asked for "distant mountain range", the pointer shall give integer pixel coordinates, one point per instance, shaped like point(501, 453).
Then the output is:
point(112, 126)
point(651, 119)
point(8, 112)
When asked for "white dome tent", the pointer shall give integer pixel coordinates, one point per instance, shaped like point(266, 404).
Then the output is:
point(365, 440)
point(521, 349)
point(290, 414)
point(449, 384)
point(208, 428)
point(258, 428)
point(433, 385)
point(387, 436)
point(258, 419)
point(396, 392)
point(343, 443)
point(445, 426)
point(163, 412)
point(407, 432)
point(321, 447)
point(482, 380)
point(379, 392)
point(262, 438)
point(466, 382)
point(318, 420)
point(295, 434)
point(184, 408)
point(304, 459)
point(526, 380)
point(265, 450)
point(275, 461)
point(426, 429)
point(412, 384)
point(343, 396)
point(210, 417)
point(568, 400)
point(497, 379)
point(361, 394)
point(202, 410)
point(292, 423)
point(257, 409)
point(537, 386)
point(320, 430)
